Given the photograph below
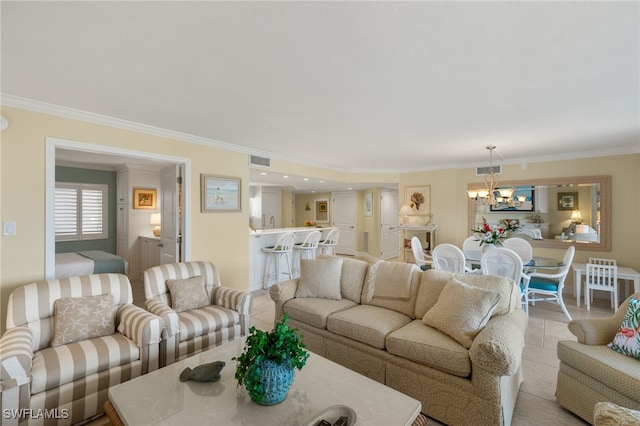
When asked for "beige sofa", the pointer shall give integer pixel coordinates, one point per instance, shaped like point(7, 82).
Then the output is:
point(376, 328)
point(590, 372)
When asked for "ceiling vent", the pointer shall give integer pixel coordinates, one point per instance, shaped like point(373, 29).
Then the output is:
point(481, 171)
point(255, 160)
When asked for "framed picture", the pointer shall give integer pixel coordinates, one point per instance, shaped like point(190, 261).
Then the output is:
point(368, 204)
point(321, 211)
point(219, 193)
point(144, 198)
point(419, 199)
point(522, 200)
point(567, 201)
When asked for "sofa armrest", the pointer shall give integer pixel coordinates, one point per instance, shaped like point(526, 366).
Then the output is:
point(595, 331)
point(280, 293)
point(168, 315)
point(237, 300)
point(141, 326)
point(16, 358)
point(498, 348)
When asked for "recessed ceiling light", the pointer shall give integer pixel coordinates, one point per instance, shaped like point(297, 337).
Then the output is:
point(306, 178)
point(321, 181)
point(263, 173)
point(285, 176)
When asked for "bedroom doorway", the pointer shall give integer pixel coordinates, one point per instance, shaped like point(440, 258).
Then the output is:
point(92, 156)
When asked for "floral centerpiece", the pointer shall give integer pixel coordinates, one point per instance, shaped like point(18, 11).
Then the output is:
point(511, 225)
point(310, 223)
point(488, 234)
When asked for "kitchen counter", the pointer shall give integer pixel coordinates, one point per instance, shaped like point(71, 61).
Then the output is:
point(268, 237)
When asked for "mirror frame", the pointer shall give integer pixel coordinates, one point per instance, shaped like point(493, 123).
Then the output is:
point(605, 208)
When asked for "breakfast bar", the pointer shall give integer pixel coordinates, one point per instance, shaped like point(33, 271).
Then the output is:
point(268, 237)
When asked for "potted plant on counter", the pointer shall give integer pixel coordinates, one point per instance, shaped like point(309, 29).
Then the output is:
point(266, 366)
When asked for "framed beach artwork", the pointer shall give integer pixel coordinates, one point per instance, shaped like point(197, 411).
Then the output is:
point(220, 193)
point(419, 199)
point(144, 199)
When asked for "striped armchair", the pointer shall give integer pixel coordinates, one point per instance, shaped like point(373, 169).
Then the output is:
point(67, 383)
point(192, 331)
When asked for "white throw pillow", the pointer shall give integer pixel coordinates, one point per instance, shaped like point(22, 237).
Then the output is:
point(320, 278)
point(462, 311)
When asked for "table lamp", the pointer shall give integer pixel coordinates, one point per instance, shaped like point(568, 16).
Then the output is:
point(155, 221)
point(405, 212)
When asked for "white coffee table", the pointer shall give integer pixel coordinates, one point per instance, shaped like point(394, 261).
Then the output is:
point(159, 398)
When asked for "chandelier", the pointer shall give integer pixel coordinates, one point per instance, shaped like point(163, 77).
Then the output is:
point(491, 183)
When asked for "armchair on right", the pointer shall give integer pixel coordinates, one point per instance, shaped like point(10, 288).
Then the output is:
point(604, 364)
point(199, 313)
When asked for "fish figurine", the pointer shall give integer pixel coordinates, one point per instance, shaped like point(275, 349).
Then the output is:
point(203, 373)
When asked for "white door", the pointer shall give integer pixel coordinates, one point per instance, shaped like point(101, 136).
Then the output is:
point(389, 231)
point(343, 212)
point(170, 235)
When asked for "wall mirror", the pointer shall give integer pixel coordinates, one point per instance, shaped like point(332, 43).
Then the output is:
point(555, 212)
point(322, 211)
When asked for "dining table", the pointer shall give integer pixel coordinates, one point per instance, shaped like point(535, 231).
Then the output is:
point(536, 262)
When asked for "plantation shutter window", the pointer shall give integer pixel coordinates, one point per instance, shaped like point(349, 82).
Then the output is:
point(80, 211)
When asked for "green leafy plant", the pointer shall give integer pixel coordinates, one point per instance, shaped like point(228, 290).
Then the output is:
point(282, 345)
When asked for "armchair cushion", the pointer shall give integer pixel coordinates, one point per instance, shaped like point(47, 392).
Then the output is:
point(198, 322)
point(627, 339)
point(462, 311)
point(82, 318)
point(188, 293)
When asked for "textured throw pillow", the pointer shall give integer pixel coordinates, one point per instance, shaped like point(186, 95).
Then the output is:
point(462, 311)
point(320, 278)
point(81, 318)
point(627, 340)
point(188, 293)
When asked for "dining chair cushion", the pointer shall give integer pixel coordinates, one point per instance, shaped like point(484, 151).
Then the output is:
point(627, 339)
point(462, 311)
point(543, 284)
point(188, 293)
point(320, 278)
point(82, 318)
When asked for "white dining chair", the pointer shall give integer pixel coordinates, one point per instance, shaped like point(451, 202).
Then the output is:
point(601, 274)
point(542, 287)
point(418, 252)
point(520, 246)
point(472, 252)
point(503, 262)
point(447, 257)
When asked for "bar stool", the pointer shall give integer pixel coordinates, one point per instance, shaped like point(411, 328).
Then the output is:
point(283, 248)
point(328, 245)
point(305, 250)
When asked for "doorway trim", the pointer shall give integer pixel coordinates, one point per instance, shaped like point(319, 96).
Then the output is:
point(50, 184)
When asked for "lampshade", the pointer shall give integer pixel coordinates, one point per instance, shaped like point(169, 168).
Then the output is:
point(405, 210)
point(155, 220)
point(576, 216)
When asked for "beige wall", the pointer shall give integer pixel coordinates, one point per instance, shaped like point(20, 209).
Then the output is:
point(222, 237)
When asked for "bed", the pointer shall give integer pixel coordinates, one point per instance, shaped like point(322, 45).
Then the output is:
point(89, 262)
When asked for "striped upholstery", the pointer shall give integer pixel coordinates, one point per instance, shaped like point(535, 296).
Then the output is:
point(77, 376)
point(193, 331)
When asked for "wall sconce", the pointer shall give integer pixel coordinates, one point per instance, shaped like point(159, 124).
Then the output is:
point(307, 207)
point(155, 221)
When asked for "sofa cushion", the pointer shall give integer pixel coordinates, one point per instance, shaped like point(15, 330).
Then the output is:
point(367, 324)
point(188, 293)
point(197, 322)
point(627, 339)
point(55, 366)
point(313, 311)
point(320, 278)
point(617, 371)
point(81, 318)
point(433, 281)
point(426, 345)
point(354, 273)
point(379, 273)
point(462, 311)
